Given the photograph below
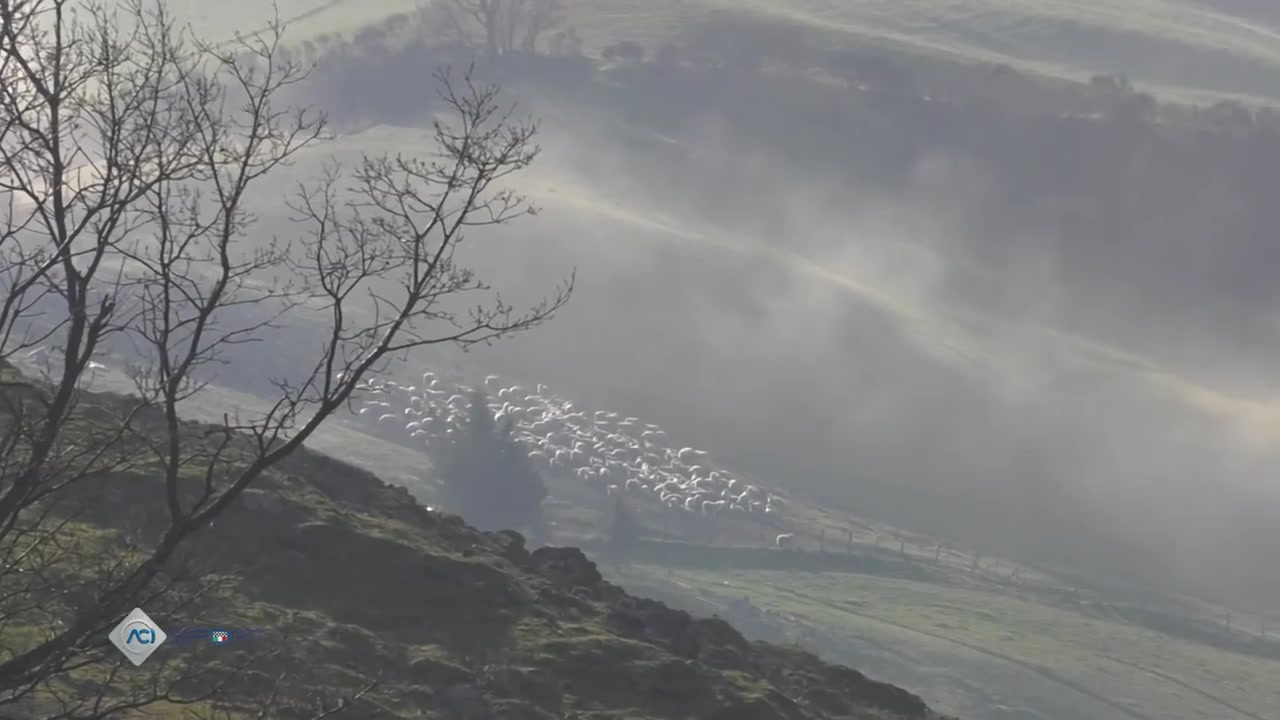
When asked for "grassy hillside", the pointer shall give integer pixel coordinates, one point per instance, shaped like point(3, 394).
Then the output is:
point(1177, 47)
point(890, 603)
point(455, 622)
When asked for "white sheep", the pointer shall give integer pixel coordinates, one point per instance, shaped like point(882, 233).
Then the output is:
point(712, 505)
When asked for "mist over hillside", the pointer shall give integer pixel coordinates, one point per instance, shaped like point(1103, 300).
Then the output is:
point(939, 339)
point(1021, 330)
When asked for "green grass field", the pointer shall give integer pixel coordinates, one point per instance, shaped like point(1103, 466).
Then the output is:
point(1072, 664)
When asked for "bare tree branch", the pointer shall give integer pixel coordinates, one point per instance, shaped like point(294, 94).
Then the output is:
point(507, 25)
point(130, 158)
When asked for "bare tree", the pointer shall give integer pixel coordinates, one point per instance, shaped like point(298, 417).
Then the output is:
point(129, 154)
point(507, 25)
point(539, 17)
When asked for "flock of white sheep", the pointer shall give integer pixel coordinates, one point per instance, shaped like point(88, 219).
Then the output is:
point(609, 453)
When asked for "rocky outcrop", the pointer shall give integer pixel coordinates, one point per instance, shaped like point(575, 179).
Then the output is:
point(660, 658)
point(472, 624)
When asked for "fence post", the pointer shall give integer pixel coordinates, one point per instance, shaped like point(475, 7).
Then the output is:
point(849, 547)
